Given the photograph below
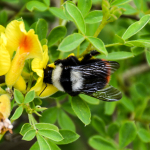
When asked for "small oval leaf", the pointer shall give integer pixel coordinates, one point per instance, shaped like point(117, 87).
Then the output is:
point(41, 29)
point(29, 135)
point(136, 27)
point(76, 15)
point(84, 6)
point(94, 16)
point(98, 142)
point(29, 97)
point(89, 99)
point(81, 109)
point(64, 121)
point(71, 42)
point(117, 55)
point(56, 34)
point(42, 143)
point(98, 44)
point(19, 98)
point(127, 134)
point(69, 137)
point(51, 134)
point(17, 113)
point(36, 5)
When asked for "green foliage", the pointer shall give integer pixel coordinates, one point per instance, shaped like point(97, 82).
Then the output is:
point(120, 31)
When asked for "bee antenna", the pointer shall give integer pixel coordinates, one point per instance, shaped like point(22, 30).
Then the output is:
point(43, 89)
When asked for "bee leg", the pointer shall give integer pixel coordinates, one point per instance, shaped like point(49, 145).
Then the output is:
point(70, 61)
point(89, 56)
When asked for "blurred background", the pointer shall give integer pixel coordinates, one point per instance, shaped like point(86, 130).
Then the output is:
point(132, 78)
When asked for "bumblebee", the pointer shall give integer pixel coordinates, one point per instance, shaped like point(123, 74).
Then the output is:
point(88, 76)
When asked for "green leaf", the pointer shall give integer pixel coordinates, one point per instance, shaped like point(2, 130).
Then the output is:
point(144, 135)
point(127, 134)
point(44, 42)
point(29, 135)
point(136, 27)
point(3, 17)
point(29, 97)
point(148, 56)
point(81, 109)
point(118, 39)
point(47, 2)
point(69, 137)
point(19, 98)
point(26, 127)
point(137, 50)
point(99, 125)
point(56, 34)
point(41, 29)
point(53, 145)
point(99, 143)
point(141, 89)
point(84, 6)
point(127, 103)
point(94, 16)
point(17, 113)
point(49, 115)
point(130, 10)
point(35, 146)
point(138, 43)
point(77, 17)
point(120, 2)
point(51, 134)
point(45, 126)
point(98, 44)
point(89, 99)
point(58, 12)
point(117, 55)
point(110, 108)
point(71, 42)
point(113, 129)
point(64, 121)
point(42, 143)
point(36, 5)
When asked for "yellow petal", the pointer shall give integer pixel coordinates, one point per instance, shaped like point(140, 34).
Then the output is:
point(15, 32)
point(2, 91)
point(37, 67)
point(5, 105)
point(20, 84)
point(2, 29)
point(38, 85)
point(50, 90)
point(51, 65)
point(4, 60)
point(16, 68)
point(32, 45)
point(38, 64)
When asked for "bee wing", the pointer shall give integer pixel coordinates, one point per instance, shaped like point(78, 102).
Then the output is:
point(108, 93)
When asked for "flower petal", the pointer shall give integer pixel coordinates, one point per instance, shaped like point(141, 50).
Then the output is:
point(5, 105)
point(2, 29)
point(38, 64)
point(5, 59)
point(50, 90)
point(15, 32)
point(20, 84)
point(38, 85)
point(32, 45)
point(16, 68)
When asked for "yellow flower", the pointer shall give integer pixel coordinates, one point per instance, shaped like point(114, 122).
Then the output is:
point(38, 66)
point(26, 45)
point(5, 107)
point(5, 57)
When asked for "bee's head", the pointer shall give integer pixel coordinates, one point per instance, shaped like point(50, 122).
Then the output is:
point(48, 75)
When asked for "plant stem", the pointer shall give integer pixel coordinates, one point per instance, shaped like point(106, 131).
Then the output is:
point(58, 104)
point(101, 26)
